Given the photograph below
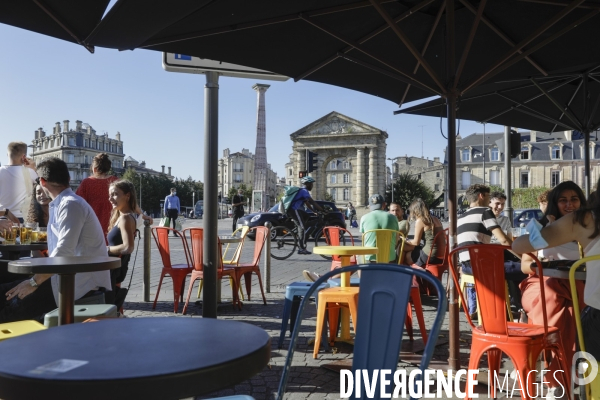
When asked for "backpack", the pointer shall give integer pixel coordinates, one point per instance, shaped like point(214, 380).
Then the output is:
point(289, 193)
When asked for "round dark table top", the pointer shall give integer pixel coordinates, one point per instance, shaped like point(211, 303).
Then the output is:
point(63, 265)
point(134, 358)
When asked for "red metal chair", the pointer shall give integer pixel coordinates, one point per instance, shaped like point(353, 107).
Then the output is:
point(522, 343)
point(332, 238)
point(438, 270)
point(247, 269)
point(178, 272)
point(197, 254)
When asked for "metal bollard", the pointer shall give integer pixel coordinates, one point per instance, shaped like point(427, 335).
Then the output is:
point(147, 235)
point(267, 258)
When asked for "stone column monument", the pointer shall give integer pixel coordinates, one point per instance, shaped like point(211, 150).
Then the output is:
point(260, 152)
point(373, 178)
point(359, 199)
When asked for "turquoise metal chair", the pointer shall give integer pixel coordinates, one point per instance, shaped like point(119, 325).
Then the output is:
point(384, 293)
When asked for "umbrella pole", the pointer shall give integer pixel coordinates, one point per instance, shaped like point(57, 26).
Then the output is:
point(508, 210)
point(451, 97)
point(588, 176)
point(211, 155)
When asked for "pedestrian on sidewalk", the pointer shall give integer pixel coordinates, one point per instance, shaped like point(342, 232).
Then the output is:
point(172, 207)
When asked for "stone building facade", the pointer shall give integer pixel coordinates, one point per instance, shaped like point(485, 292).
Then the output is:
point(351, 158)
point(77, 147)
point(140, 168)
point(237, 168)
point(431, 172)
point(546, 159)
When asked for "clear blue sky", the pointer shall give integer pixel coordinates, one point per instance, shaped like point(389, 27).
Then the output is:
point(161, 114)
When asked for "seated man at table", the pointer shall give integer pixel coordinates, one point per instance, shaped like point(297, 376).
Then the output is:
point(512, 264)
point(378, 218)
point(73, 230)
point(476, 226)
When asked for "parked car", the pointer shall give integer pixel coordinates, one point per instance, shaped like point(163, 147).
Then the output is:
point(333, 217)
point(524, 216)
point(199, 209)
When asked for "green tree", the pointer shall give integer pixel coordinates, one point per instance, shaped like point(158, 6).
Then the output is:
point(527, 197)
point(408, 187)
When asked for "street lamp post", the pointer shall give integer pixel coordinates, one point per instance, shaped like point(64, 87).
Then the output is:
point(194, 204)
point(140, 191)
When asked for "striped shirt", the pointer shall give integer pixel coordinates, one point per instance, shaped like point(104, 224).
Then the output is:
point(475, 227)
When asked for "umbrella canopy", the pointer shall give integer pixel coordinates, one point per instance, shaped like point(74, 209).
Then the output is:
point(392, 49)
point(70, 20)
point(566, 100)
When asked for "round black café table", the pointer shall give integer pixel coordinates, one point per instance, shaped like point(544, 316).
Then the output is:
point(65, 268)
point(132, 358)
point(13, 251)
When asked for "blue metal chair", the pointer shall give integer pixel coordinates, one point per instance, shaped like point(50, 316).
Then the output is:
point(384, 294)
point(292, 292)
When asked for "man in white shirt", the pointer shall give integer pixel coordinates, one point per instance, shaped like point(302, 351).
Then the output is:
point(73, 230)
point(14, 179)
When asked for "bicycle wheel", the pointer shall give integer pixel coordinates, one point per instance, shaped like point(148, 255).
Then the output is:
point(283, 242)
point(320, 241)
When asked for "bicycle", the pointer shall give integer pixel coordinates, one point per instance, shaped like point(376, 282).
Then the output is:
point(284, 238)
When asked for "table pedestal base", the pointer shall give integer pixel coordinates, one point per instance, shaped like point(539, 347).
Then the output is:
point(66, 299)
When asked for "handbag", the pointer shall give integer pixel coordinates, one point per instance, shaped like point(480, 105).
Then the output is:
point(179, 223)
point(28, 191)
point(165, 221)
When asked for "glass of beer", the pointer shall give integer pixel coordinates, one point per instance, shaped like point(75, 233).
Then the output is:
point(25, 234)
point(42, 235)
point(10, 235)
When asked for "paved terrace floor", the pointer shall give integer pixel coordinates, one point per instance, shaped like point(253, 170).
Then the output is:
point(308, 380)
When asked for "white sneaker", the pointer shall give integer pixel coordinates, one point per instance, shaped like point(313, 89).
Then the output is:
point(310, 276)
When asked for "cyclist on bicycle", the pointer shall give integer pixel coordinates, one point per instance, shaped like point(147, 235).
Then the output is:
point(297, 213)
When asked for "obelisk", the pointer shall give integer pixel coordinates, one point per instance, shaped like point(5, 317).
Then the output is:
point(260, 152)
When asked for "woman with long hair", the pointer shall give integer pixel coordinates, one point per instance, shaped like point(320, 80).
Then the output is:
point(94, 189)
point(122, 227)
point(427, 227)
point(39, 207)
point(564, 201)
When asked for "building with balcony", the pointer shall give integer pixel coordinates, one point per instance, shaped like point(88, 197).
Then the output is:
point(140, 168)
point(238, 168)
point(77, 147)
point(546, 159)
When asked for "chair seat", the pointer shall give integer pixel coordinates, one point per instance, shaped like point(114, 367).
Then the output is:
point(181, 266)
point(522, 330)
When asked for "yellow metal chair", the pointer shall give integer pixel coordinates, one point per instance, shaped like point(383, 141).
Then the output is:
point(13, 329)
point(384, 239)
point(234, 260)
point(592, 390)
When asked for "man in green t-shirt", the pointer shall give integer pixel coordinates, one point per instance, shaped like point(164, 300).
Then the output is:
point(378, 218)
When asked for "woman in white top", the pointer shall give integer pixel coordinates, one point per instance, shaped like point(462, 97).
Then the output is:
point(564, 201)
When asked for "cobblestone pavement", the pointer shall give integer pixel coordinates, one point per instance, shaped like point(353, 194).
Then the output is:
point(308, 380)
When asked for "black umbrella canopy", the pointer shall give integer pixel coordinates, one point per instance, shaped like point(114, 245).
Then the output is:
point(70, 20)
point(565, 100)
point(391, 49)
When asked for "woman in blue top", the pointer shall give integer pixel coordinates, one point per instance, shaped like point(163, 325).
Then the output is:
point(122, 225)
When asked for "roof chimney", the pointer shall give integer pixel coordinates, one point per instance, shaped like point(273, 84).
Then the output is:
point(66, 125)
point(532, 136)
point(57, 127)
point(169, 171)
point(436, 159)
point(163, 169)
point(118, 136)
point(78, 125)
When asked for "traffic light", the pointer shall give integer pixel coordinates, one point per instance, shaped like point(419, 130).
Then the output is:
point(515, 143)
point(311, 161)
point(302, 174)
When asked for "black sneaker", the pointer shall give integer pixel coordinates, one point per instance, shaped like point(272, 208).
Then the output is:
point(304, 251)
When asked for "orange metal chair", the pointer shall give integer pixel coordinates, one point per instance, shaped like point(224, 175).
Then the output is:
point(197, 255)
point(332, 238)
point(521, 342)
point(247, 269)
point(438, 270)
point(178, 272)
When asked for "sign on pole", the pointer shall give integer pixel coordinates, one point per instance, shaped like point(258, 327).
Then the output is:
point(196, 65)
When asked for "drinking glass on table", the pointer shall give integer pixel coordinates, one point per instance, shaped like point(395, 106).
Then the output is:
point(10, 235)
point(26, 231)
point(42, 235)
point(516, 232)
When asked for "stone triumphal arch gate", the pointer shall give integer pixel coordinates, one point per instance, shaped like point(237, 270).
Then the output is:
point(351, 158)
